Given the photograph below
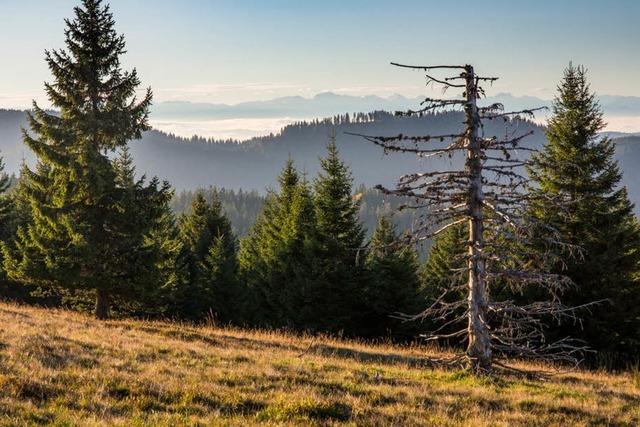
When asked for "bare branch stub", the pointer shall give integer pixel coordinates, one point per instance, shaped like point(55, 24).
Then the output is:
point(489, 195)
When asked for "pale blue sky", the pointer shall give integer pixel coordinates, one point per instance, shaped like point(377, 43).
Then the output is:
point(233, 51)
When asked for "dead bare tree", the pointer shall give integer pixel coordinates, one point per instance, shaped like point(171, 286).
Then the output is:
point(490, 196)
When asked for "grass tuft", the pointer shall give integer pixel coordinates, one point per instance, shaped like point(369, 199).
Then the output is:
point(305, 410)
point(635, 375)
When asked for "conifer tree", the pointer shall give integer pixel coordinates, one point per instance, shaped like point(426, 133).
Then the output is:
point(444, 269)
point(341, 239)
point(257, 259)
point(7, 213)
point(73, 241)
point(446, 257)
point(578, 164)
point(298, 255)
point(139, 208)
point(392, 284)
point(211, 261)
point(277, 258)
point(5, 204)
point(170, 266)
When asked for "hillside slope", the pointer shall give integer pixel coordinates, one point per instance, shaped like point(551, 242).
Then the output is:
point(66, 368)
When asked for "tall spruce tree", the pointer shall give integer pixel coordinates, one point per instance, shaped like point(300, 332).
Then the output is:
point(579, 164)
point(211, 262)
point(392, 285)
point(278, 256)
point(73, 241)
point(341, 239)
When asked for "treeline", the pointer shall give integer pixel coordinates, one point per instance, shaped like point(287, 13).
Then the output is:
point(305, 262)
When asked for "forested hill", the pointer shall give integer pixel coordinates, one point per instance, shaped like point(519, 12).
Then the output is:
point(628, 156)
point(254, 164)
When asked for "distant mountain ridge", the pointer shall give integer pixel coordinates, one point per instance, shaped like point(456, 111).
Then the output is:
point(327, 104)
point(321, 105)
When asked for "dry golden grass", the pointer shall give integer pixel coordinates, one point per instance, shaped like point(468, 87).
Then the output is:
point(64, 368)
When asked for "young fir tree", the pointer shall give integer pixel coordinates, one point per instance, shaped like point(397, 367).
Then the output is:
point(341, 239)
point(211, 262)
point(298, 234)
point(578, 164)
point(5, 204)
point(446, 257)
point(392, 285)
point(7, 220)
point(170, 265)
point(74, 239)
point(277, 257)
point(444, 269)
point(138, 209)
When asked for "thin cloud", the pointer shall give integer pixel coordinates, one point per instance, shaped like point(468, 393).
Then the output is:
point(407, 90)
point(622, 123)
point(238, 129)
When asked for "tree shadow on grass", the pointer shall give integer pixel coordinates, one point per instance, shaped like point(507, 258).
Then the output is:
point(256, 344)
point(381, 358)
point(220, 340)
point(57, 352)
point(22, 388)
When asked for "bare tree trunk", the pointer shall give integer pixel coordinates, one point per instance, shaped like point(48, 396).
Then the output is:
point(491, 183)
point(479, 347)
point(102, 304)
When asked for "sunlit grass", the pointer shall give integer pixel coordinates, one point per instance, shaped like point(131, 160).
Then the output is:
point(65, 368)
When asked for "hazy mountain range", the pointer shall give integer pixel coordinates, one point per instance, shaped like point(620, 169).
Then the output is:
point(248, 119)
point(328, 104)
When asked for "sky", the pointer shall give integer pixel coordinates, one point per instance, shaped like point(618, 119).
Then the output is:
point(234, 51)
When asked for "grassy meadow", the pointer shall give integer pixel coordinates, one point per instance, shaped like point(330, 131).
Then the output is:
point(64, 368)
